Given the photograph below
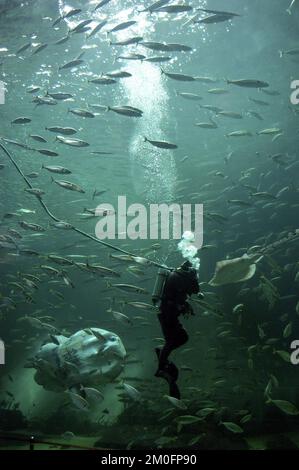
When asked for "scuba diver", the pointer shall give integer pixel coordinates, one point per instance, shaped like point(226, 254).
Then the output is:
point(170, 295)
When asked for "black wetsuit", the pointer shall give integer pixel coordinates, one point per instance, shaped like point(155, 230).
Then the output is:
point(178, 286)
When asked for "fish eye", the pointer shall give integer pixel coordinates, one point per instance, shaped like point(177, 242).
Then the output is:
point(112, 338)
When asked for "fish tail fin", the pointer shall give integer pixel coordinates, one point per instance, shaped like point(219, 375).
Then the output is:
point(162, 71)
point(52, 179)
point(145, 139)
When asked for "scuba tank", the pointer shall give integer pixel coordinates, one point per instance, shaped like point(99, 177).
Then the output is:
point(159, 286)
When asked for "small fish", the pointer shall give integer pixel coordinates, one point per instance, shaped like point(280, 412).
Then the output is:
point(128, 288)
point(218, 91)
point(233, 427)
point(102, 80)
point(260, 102)
point(59, 96)
point(285, 355)
point(33, 89)
point(26, 211)
point(121, 317)
point(211, 19)
point(93, 395)
point(72, 142)
point(131, 56)
point(39, 48)
point(119, 74)
point(270, 131)
point(82, 113)
point(189, 96)
point(81, 27)
point(249, 83)
point(132, 392)
point(154, 6)
point(62, 225)
point(47, 152)
point(38, 138)
point(44, 100)
point(157, 59)
point(246, 419)
point(207, 125)
point(285, 406)
point(289, 52)
point(263, 195)
point(62, 40)
point(270, 92)
point(178, 76)
point(62, 130)
point(230, 114)
point(70, 65)
point(239, 202)
point(126, 111)
point(68, 185)
point(99, 193)
point(127, 42)
point(15, 234)
point(176, 403)
point(255, 114)
point(57, 169)
point(30, 226)
point(36, 191)
point(288, 330)
point(242, 133)
point(68, 435)
point(78, 401)
point(122, 26)
point(23, 48)
point(97, 28)
point(174, 9)
point(187, 419)
point(101, 4)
